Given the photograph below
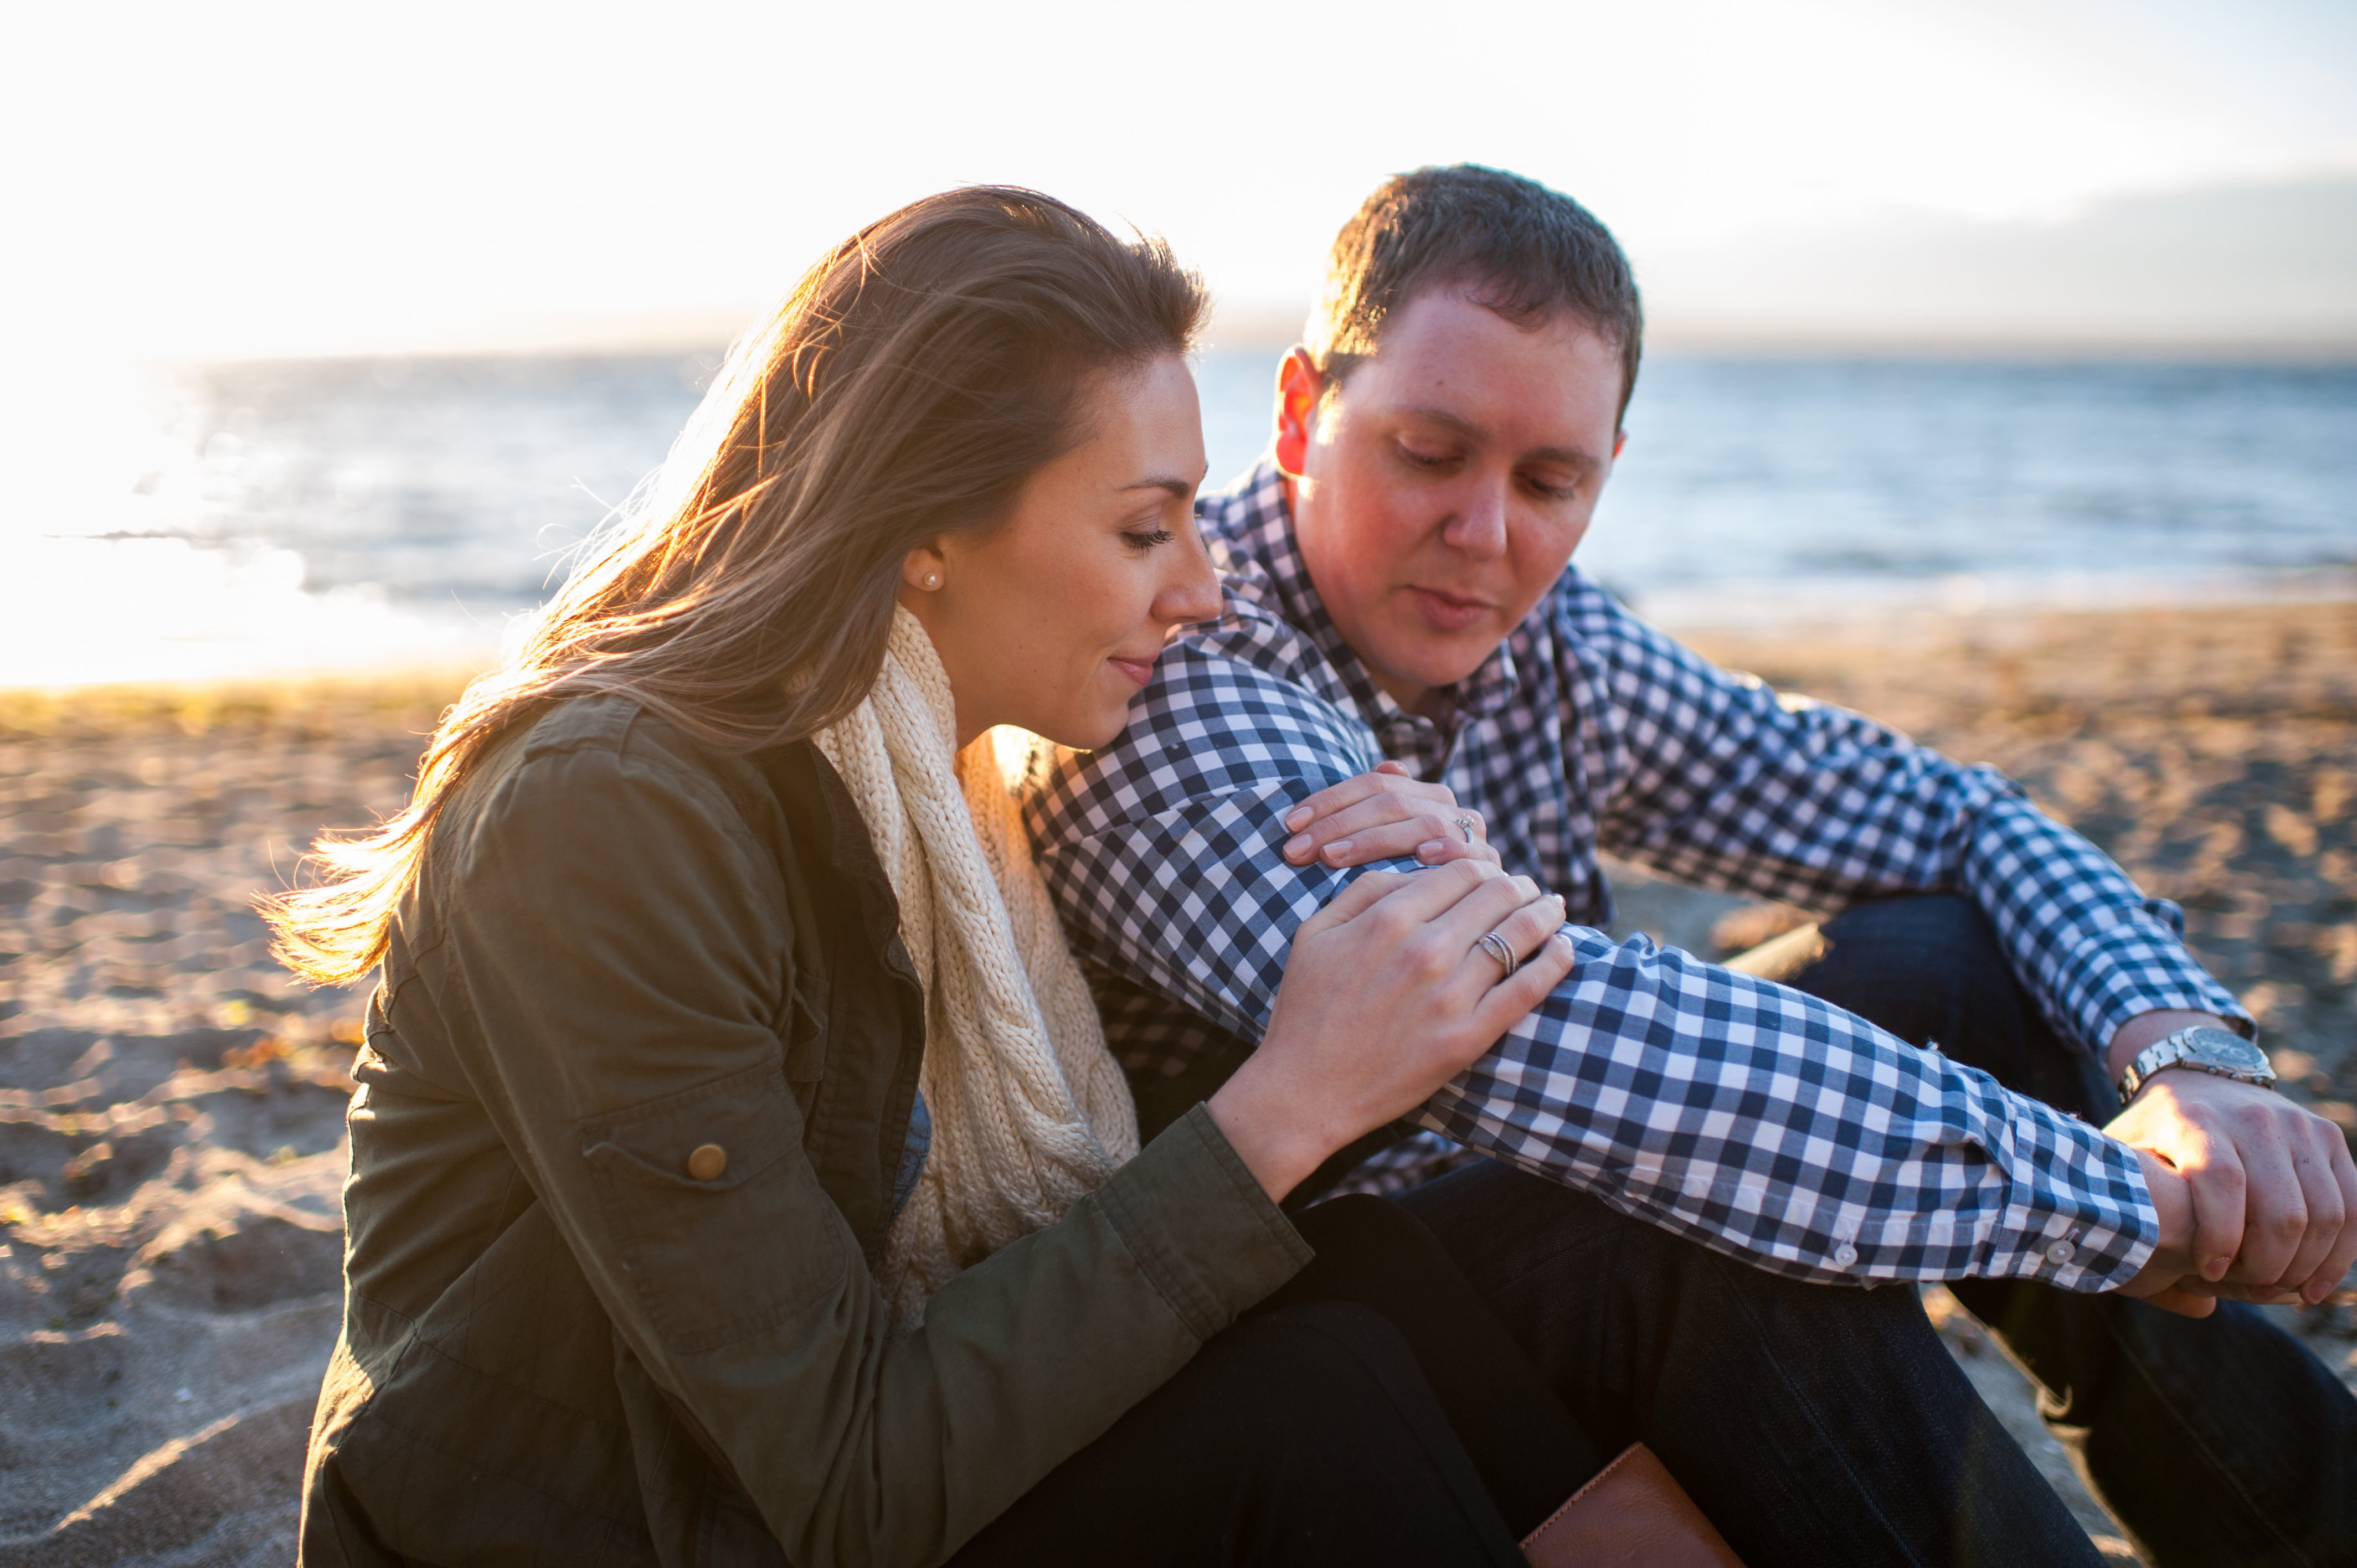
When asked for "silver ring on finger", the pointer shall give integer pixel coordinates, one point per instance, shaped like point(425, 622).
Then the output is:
point(1497, 947)
point(1465, 826)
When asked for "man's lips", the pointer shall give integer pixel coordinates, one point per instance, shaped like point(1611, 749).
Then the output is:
point(1139, 671)
point(1445, 611)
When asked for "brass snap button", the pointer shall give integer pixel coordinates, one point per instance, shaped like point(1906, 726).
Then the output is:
point(707, 1162)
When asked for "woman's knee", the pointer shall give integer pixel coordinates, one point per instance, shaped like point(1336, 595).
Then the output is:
point(1343, 1453)
point(1309, 1371)
point(1299, 1437)
point(1363, 1228)
point(1305, 1362)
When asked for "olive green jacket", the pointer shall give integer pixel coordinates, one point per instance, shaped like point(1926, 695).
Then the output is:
point(565, 1342)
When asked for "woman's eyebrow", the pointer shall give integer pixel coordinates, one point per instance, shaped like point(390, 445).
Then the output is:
point(1182, 489)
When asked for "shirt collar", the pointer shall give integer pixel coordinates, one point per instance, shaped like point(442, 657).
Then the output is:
point(1249, 532)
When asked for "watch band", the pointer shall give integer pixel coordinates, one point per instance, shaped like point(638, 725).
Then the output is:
point(2182, 1049)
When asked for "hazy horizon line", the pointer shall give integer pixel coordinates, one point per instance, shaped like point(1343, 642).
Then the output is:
point(624, 334)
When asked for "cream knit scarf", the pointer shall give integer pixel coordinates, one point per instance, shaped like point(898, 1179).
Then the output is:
point(1030, 1111)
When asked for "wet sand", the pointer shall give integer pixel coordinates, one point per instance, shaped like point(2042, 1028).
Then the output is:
point(171, 1102)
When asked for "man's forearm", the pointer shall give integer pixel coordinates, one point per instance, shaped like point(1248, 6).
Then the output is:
point(2150, 1030)
point(1758, 1121)
point(1773, 1126)
point(2101, 959)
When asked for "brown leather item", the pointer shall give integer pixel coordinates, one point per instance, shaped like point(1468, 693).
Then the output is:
point(1633, 1515)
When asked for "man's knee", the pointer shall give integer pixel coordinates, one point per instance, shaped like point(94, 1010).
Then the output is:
point(1496, 1219)
point(1929, 969)
point(1911, 965)
point(1942, 937)
point(1547, 1256)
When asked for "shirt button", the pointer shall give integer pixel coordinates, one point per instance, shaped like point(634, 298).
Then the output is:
point(2061, 1253)
point(707, 1162)
point(1845, 1254)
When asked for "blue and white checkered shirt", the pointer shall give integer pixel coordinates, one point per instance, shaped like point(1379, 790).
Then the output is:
point(1751, 1117)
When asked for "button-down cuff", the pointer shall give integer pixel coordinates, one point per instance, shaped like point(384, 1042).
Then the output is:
point(2096, 1229)
point(1197, 1220)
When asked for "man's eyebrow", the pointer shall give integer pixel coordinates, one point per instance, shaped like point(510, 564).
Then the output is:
point(1472, 432)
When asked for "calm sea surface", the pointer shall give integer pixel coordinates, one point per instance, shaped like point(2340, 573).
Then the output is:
point(273, 515)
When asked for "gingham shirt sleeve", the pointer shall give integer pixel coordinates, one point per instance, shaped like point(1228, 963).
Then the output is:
point(1727, 784)
point(1750, 1117)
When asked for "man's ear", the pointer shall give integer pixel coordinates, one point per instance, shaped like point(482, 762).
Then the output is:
point(1298, 387)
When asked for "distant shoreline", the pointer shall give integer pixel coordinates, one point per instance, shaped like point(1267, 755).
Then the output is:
point(1933, 606)
point(1920, 613)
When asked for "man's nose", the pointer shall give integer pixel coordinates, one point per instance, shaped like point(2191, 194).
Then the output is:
point(1479, 526)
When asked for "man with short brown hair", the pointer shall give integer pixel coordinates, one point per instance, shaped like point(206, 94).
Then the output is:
point(1399, 587)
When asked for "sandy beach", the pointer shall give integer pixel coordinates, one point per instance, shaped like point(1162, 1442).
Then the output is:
point(171, 1110)
point(171, 1100)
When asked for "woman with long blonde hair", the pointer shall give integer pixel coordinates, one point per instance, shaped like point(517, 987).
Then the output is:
point(738, 1171)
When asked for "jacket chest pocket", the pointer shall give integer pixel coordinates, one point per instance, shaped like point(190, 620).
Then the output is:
point(803, 1031)
point(805, 1036)
point(721, 1226)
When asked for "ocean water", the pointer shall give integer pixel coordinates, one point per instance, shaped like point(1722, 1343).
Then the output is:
point(1769, 489)
point(252, 517)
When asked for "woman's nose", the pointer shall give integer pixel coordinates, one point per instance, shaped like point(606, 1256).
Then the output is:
point(1194, 593)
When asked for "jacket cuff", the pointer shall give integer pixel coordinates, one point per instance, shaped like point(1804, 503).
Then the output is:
point(1201, 1229)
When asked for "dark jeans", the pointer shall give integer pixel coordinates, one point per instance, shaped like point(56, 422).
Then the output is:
point(1814, 1425)
point(1407, 1400)
point(1372, 1412)
point(1305, 1437)
point(1529, 1451)
point(2220, 1441)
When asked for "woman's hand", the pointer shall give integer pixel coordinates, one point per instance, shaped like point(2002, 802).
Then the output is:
point(1389, 994)
point(1385, 815)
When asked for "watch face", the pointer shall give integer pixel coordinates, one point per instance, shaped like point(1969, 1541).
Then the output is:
point(2230, 1053)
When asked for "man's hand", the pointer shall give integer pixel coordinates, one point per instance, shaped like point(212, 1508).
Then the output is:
point(2274, 1192)
point(2166, 1279)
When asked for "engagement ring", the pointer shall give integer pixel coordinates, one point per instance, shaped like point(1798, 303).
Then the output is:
point(1465, 826)
point(1497, 947)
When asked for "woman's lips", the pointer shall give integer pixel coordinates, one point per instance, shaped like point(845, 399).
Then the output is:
point(1447, 612)
point(1139, 671)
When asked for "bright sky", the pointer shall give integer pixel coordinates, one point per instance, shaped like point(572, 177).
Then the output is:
point(245, 176)
point(251, 178)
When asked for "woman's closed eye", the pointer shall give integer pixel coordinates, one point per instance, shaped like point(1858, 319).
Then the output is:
point(1143, 541)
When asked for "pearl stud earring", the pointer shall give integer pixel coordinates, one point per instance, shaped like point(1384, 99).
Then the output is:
point(932, 580)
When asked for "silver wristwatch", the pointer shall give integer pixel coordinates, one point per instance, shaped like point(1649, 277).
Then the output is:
point(2203, 1049)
